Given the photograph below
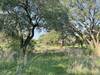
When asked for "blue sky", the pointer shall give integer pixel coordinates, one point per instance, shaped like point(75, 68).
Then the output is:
point(38, 33)
point(98, 3)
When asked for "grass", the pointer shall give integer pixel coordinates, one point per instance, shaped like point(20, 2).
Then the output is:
point(54, 64)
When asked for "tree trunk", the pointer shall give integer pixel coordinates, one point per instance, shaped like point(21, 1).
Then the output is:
point(24, 43)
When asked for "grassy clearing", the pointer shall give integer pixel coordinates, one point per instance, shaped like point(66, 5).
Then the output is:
point(54, 64)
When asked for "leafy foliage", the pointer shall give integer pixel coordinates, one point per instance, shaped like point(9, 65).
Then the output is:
point(51, 38)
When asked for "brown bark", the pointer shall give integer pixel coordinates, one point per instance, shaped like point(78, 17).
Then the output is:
point(24, 43)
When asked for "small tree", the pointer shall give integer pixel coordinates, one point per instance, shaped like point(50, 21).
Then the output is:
point(56, 17)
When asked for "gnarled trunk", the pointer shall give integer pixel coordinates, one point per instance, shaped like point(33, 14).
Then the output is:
point(24, 43)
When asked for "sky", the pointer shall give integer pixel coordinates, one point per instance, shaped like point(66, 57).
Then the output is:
point(98, 3)
point(38, 33)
